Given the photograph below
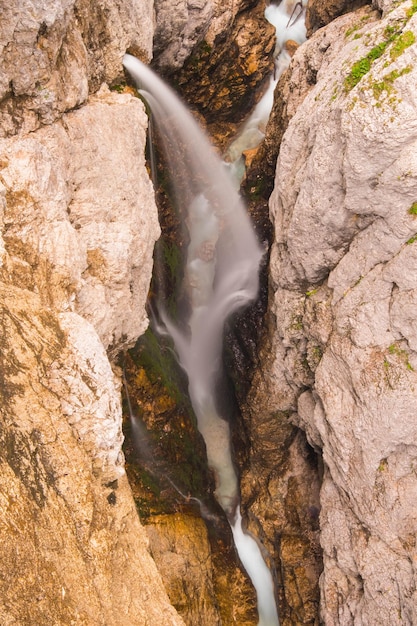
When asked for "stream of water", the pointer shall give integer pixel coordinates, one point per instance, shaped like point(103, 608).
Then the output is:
point(221, 276)
point(288, 19)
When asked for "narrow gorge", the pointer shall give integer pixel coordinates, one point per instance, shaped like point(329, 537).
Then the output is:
point(112, 511)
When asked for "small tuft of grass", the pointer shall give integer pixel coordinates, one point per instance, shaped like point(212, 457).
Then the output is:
point(413, 209)
point(396, 350)
point(389, 31)
point(353, 29)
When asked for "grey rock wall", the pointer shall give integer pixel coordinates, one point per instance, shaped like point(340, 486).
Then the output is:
point(77, 227)
point(52, 54)
point(343, 359)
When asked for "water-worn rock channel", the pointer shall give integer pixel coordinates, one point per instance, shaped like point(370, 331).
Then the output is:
point(323, 366)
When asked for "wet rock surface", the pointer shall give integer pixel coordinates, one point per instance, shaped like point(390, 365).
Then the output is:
point(190, 537)
point(180, 546)
point(231, 67)
point(319, 14)
point(200, 572)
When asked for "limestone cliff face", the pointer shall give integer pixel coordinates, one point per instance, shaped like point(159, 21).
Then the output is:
point(79, 222)
point(341, 360)
point(53, 53)
point(77, 227)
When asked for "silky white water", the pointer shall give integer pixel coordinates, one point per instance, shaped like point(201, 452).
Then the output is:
point(221, 276)
point(288, 19)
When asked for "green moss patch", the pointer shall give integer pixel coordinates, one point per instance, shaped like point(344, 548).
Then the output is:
point(157, 358)
point(401, 43)
point(393, 36)
point(395, 349)
point(387, 82)
point(362, 67)
point(413, 9)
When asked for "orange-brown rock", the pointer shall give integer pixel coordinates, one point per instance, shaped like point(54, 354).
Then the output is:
point(319, 13)
point(231, 69)
point(291, 46)
point(205, 586)
point(173, 493)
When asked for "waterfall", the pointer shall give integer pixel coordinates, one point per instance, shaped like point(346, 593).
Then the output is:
point(221, 276)
point(288, 19)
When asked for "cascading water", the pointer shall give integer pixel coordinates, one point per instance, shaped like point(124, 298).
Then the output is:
point(288, 19)
point(221, 275)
